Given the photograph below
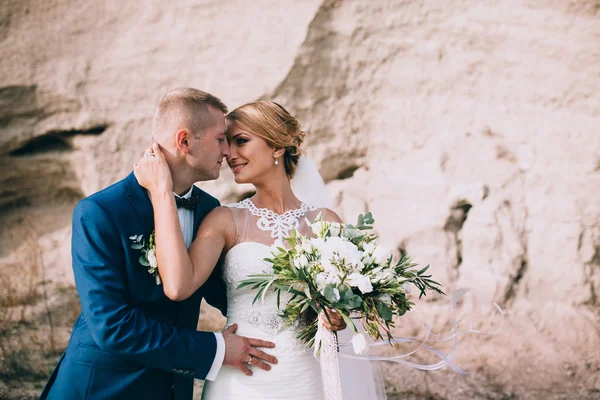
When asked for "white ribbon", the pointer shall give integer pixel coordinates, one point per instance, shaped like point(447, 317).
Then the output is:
point(326, 342)
point(453, 334)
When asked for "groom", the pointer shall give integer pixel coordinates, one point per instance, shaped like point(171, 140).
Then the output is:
point(131, 341)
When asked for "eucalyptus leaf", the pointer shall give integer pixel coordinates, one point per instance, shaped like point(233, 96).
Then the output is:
point(331, 293)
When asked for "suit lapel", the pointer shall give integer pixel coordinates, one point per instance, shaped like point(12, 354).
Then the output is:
point(138, 197)
point(198, 211)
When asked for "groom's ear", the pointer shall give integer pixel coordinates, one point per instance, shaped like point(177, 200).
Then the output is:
point(182, 140)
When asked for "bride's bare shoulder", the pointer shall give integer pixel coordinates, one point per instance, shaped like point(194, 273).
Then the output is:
point(220, 214)
point(329, 215)
point(219, 217)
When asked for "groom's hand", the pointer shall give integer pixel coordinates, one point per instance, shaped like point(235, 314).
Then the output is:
point(241, 352)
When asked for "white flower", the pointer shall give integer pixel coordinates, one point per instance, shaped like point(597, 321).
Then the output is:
point(381, 254)
point(369, 247)
point(307, 246)
point(385, 298)
point(301, 262)
point(363, 283)
point(359, 343)
point(152, 259)
point(367, 259)
point(406, 287)
point(319, 228)
point(334, 249)
point(382, 274)
point(335, 229)
point(318, 243)
point(324, 279)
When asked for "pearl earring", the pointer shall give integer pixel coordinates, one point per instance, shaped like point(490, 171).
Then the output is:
point(276, 162)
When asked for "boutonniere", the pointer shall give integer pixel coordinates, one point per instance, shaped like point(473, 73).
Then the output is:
point(148, 257)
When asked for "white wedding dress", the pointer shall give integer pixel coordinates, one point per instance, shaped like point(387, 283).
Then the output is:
point(297, 375)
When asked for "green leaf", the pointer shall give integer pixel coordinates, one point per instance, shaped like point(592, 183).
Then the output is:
point(384, 311)
point(423, 270)
point(278, 299)
point(307, 292)
point(144, 261)
point(348, 321)
point(330, 293)
point(136, 246)
point(354, 301)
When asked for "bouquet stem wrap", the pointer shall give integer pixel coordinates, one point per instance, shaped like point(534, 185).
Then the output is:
point(326, 341)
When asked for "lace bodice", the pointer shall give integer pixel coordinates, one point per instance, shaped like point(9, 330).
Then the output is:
point(256, 230)
point(278, 226)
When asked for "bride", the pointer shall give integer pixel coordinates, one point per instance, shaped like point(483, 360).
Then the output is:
point(264, 143)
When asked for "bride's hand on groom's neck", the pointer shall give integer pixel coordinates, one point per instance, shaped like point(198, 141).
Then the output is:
point(152, 171)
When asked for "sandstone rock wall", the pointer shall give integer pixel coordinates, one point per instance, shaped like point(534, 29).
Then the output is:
point(469, 128)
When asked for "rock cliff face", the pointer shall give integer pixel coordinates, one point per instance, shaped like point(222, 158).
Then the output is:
point(468, 128)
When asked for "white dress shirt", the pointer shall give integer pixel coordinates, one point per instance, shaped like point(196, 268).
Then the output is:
point(186, 220)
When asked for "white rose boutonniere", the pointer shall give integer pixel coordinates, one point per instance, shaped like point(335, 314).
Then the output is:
point(148, 257)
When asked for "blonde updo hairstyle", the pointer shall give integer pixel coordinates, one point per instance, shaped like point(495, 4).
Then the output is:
point(274, 124)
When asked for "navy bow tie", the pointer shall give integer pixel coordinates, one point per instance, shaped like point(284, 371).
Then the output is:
point(189, 204)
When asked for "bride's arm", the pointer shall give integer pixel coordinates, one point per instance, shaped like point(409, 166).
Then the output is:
point(181, 276)
point(182, 273)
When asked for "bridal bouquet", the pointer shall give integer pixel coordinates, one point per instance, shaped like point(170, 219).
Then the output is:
point(342, 268)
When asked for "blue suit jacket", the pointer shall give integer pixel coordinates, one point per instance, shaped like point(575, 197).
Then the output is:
point(130, 340)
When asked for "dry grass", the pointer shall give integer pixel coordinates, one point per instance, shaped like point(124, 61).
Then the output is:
point(29, 344)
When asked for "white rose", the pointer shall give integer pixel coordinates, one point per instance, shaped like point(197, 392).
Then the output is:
point(369, 247)
point(406, 287)
point(367, 259)
point(152, 259)
point(335, 248)
point(359, 343)
point(301, 262)
point(381, 254)
point(335, 229)
point(363, 283)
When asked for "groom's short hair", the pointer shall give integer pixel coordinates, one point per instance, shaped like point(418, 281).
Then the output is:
point(185, 108)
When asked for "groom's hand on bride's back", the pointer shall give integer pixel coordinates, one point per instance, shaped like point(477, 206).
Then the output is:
point(241, 352)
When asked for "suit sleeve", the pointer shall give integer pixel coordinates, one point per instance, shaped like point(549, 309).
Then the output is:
point(116, 327)
point(214, 291)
